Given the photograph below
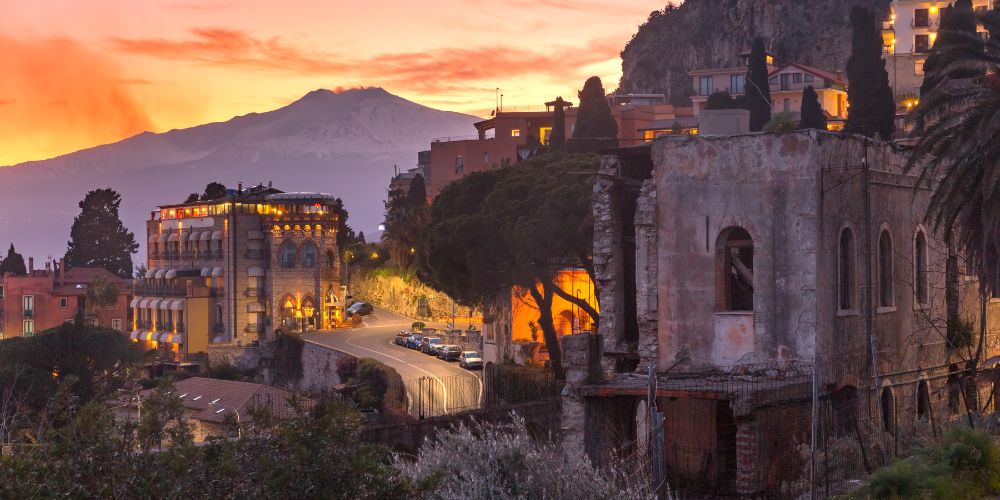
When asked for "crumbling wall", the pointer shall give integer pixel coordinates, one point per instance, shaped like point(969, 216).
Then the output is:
point(646, 273)
point(608, 255)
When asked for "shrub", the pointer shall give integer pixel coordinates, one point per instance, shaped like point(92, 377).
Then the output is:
point(504, 461)
point(720, 100)
point(418, 325)
point(782, 122)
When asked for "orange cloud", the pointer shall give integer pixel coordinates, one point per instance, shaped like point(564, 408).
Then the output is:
point(58, 97)
point(426, 72)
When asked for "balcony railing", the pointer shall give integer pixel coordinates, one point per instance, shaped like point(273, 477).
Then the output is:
point(180, 328)
point(143, 325)
point(165, 326)
point(254, 328)
point(160, 290)
point(27, 313)
point(254, 253)
point(217, 254)
point(254, 292)
point(219, 328)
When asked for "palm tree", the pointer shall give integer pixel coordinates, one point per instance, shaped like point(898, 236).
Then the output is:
point(958, 151)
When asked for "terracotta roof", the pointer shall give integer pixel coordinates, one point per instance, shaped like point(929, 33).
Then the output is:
point(87, 274)
point(212, 399)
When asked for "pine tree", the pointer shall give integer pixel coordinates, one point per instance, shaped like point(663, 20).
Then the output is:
point(214, 191)
point(812, 113)
point(957, 33)
point(98, 237)
point(13, 263)
point(758, 90)
point(594, 119)
point(416, 196)
point(872, 108)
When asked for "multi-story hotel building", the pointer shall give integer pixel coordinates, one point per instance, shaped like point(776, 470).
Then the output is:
point(908, 36)
point(235, 270)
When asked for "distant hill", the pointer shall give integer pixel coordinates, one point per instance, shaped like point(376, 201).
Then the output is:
point(342, 143)
point(710, 33)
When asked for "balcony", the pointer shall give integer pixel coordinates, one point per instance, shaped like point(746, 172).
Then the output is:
point(253, 253)
point(143, 325)
point(219, 328)
point(161, 290)
point(254, 292)
point(216, 254)
point(27, 313)
point(254, 328)
point(888, 26)
point(179, 327)
point(171, 255)
point(166, 326)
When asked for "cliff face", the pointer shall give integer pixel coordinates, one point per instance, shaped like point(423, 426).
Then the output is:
point(710, 34)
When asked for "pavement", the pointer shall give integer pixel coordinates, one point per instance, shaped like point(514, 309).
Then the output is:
point(433, 386)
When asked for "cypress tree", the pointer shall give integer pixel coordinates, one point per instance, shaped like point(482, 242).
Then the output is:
point(98, 237)
point(417, 194)
point(13, 263)
point(957, 34)
point(758, 90)
point(812, 112)
point(558, 137)
point(872, 108)
point(594, 119)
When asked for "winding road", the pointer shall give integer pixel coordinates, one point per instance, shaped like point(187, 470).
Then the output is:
point(434, 387)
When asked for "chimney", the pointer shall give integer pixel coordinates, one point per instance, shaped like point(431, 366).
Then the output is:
point(31, 266)
point(62, 272)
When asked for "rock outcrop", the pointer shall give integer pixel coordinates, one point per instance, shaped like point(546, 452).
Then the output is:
point(711, 33)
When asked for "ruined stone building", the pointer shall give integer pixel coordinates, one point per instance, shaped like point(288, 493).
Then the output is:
point(734, 265)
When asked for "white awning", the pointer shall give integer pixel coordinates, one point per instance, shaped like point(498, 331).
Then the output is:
point(177, 305)
point(163, 237)
point(175, 338)
point(255, 272)
point(160, 273)
point(163, 337)
point(185, 235)
point(171, 274)
point(206, 272)
point(144, 303)
point(217, 235)
point(206, 235)
point(255, 234)
point(195, 236)
point(151, 273)
point(217, 271)
point(255, 307)
point(153, 238)
point(173, 237)
point(165, 304)
point(135, 334)
point(153, 303)
point(135, 302)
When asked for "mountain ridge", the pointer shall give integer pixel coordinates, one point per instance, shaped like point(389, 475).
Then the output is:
point(345, 143)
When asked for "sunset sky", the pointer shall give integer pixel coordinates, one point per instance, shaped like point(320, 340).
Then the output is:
point(81, 73)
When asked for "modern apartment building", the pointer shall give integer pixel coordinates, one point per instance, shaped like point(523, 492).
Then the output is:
point(516, 134)
point(235, 270)
point(908, 36)
point(46, 298)
point(786, 82)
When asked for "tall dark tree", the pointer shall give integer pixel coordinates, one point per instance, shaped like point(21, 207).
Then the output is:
point(594, 119)
point(213, 191)
point(558, 137)
point(416, 196)
point(872, 107)
point(13, 263)
point(98, 237)
point(757, 89)
point(812, 112)
point(957, 34)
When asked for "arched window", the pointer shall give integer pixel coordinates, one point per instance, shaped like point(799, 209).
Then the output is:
point(845, 270)
point(923, 401)
point(330, 256)
point(288, 254)
point(885, 295)
point(564, 323)
point(920, 267)
point(308, 254)
point(735, 275)
point(288, 311)
point(888, 410)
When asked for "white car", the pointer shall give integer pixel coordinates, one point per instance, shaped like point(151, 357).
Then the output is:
point(470, 359)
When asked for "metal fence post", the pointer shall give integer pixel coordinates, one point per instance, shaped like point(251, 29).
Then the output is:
point(815, 428)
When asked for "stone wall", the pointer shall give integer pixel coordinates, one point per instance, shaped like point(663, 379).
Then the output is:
point(319, 367)
point(646, 273)
point(232, 353)
point(608, 266)
point(401, 294)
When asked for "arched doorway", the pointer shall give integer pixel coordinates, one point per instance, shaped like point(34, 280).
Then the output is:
point(564, 323)
point(888, 402)
point(309, 312)
point(288, 313)
point(923, 401)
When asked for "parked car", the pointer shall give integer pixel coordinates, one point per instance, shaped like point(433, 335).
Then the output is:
point(413, 341)
point(427, 344)
point(450, 352)
point(470, 359)
point(436, 350)
point(360, 308)
point(401, 337)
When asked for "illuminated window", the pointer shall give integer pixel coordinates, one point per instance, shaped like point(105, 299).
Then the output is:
point(28, 327)
point(545, 133)
point(515, 132)
point(918, 67)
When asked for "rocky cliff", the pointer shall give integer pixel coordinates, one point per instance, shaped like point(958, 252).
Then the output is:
point(710, 34)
